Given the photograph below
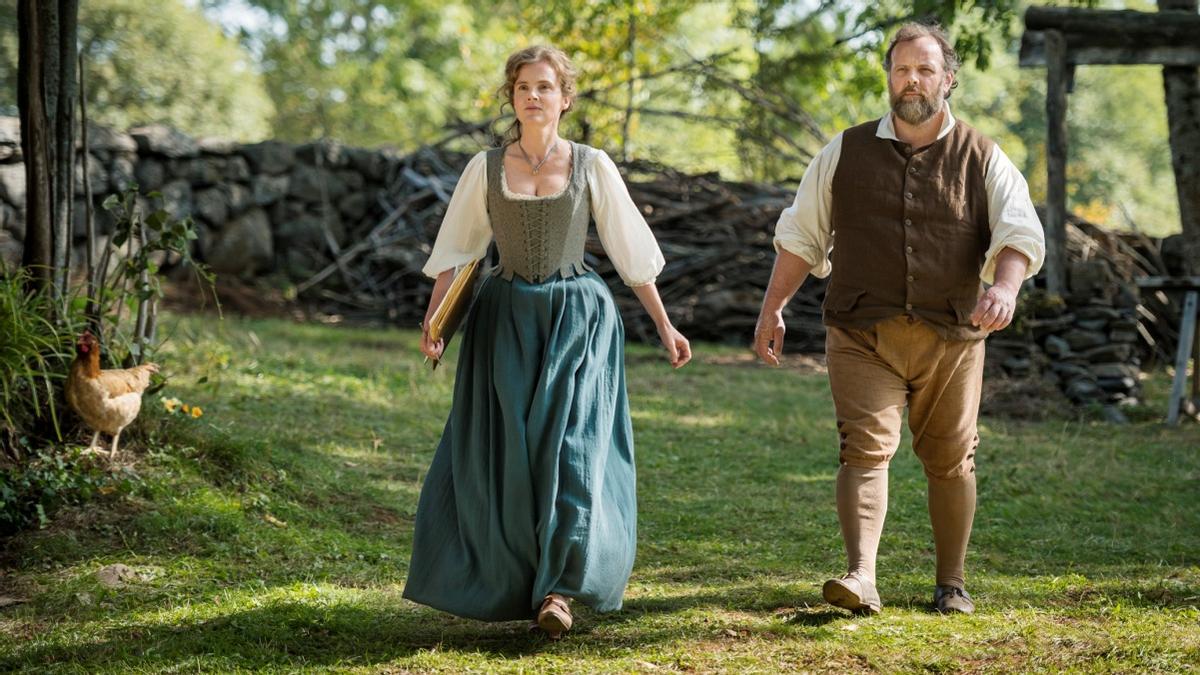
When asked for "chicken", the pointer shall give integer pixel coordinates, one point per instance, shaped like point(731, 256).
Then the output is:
point(107, 400)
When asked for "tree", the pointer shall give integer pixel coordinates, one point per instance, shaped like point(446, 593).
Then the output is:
point(169, 65)
point(46, 99)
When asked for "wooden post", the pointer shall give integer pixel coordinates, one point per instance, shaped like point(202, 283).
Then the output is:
point(1187, 333)
point(1057, 76)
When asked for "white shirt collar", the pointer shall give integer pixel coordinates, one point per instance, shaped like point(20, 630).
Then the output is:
point(887, 129)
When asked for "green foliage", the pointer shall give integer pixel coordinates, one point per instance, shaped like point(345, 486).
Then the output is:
point(155, 62)
point(34, 353)
point(30, 493)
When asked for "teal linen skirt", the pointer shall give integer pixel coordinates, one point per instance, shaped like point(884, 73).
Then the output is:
point(532, 488)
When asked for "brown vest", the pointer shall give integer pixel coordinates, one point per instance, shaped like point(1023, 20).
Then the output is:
point(910, 230)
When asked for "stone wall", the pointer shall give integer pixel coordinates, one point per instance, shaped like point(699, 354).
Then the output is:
point(259, 208)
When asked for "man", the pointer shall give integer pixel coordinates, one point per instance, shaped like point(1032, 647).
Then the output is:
point(923, 208)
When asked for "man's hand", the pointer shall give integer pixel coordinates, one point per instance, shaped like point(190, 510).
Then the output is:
point(995, 308)
point(768, 337)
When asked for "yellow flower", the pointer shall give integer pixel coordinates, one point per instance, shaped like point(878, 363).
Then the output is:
point(170, 404)
point(187, 409)
point(196, 411)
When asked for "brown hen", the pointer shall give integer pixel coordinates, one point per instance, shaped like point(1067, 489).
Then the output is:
point(107, 400)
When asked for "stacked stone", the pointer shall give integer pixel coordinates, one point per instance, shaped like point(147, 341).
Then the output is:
point(12, 192)
point(1088, 345)
point(260, 208)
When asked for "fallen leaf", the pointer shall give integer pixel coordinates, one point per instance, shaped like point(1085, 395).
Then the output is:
point(850, 626)
point(273, 520)
point(349, 464)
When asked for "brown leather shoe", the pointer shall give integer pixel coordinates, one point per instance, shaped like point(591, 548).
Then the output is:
point(854, 593)
point(952, 600)
point(555, 616)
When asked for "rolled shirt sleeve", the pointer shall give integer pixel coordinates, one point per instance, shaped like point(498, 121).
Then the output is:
point(1011, 216)
point(623, 231)
point(466, 229)
point(805, 228)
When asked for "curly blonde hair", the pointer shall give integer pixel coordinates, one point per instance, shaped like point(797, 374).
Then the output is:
point(557, 59)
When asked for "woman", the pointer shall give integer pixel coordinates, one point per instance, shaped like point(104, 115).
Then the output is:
point(530, 501)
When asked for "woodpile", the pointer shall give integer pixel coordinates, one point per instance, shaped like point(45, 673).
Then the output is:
point(716, 237)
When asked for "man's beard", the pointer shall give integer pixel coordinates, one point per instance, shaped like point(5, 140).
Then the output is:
point(916, 110)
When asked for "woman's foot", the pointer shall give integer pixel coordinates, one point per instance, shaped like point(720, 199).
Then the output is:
point(555, 616)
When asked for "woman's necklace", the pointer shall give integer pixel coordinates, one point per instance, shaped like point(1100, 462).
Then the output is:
point(539, 164)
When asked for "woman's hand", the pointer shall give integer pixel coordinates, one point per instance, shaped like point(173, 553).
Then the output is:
point(679, 350)
point(430, 348)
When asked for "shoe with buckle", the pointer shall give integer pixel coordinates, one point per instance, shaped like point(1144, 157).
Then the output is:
point(952, 600)
point(854, 593)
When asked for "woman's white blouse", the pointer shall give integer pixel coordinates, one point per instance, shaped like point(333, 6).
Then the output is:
point(466, 230)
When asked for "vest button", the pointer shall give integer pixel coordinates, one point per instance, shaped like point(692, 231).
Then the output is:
point(908, 195)
point(908, 222)
point(908, 249)
point(908, 307)
point(911, 278)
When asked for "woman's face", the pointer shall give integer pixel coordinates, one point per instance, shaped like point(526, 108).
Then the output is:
point(537, 98)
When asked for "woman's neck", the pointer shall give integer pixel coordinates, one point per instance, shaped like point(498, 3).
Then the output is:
point(537, 141)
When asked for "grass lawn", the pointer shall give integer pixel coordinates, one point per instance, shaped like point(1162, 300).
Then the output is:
point(273, 533)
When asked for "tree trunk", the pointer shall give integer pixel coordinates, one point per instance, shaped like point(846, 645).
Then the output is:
point(46, 98)
point(1182, 84)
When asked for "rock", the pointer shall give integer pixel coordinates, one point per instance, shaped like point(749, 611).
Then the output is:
point(1116, 384)
point(269, 189)
point(353, 206)
point(159, 139)
point(122, 173)
point(1115, 370)
point(177, 199)
point(1056, 324)
point(1092, 324)
point(1113, 415)
point(353, 180)
point(212, 205)
point(1056, 347)
point(1089, 279)
point(1125, 335)
point(1018, 366)
point(372, 165)
point(1108, 353)
point(1174, 255)
point(237, 169)
point(269, 157)
point(240, 197)
point(115, 576)
point(10, 131)
point(1082, 389)
point(1068, 370)
point(244, 246)
point(151, 174)
point(96, 172)
point(328, 154)
point(108, 140)
point(12, 184)
point(11, 221)
point(11, 251)
point(1084, 339)
point(200, 172)
point(214, 145)
point(1091, 313)
point(308, 230)
point(306, 183)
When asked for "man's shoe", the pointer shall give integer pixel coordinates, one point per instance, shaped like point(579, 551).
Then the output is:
point(952, 600)
point(854, 593)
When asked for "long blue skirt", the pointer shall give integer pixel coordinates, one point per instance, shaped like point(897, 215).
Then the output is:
point(532, 488)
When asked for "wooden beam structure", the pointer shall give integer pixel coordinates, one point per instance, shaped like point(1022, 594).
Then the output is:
point(1061, 38)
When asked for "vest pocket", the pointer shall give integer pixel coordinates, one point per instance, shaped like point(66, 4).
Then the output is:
point(841, 299)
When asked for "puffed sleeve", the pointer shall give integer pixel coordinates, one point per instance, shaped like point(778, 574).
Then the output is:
point(623, 231)
point(805, 228)
point(466, 230)
point(1013, 220)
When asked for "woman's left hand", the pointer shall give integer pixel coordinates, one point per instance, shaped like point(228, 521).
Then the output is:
point(679, 350)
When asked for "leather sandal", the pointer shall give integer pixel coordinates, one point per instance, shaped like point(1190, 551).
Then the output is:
point(555, 616)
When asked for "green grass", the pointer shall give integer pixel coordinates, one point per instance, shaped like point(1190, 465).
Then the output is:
point(273, 533)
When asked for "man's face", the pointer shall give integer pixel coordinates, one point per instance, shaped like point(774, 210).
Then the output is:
point(918, 80)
